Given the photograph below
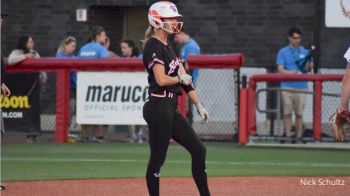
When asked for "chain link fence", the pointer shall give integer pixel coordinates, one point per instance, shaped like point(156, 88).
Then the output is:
point(217, 88)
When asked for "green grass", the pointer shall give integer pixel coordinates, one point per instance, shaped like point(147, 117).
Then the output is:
point(86, 161)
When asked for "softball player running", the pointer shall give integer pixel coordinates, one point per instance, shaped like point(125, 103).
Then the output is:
point(166, 78)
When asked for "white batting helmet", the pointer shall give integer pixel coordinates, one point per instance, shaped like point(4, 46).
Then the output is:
point(162, 10)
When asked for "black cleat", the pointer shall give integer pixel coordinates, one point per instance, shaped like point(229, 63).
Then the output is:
point(2, 187)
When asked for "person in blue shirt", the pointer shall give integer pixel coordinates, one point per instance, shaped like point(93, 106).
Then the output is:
point(189, 47)
point(66, 49)
point(107, 45)
point(94, 49)
point(294, 59)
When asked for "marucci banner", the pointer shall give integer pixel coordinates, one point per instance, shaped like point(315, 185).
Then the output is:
point(111, 98)
point(21, 111)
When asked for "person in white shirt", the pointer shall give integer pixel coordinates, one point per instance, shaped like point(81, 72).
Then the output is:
point(25, 50)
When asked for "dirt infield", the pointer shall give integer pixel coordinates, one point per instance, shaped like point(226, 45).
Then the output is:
point(259, 186)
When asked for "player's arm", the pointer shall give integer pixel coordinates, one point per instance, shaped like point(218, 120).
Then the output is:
point(185, 78)
point(161, 78)
point(200, 108)
point(194, 97)
point(182, 69)
point(345, 92)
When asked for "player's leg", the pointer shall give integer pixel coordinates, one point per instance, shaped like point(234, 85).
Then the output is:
point(159, 121)
point(184, 134)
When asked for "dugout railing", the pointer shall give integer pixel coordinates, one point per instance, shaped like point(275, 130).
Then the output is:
point(63, 68)
point(276, 115)
point(248, 108)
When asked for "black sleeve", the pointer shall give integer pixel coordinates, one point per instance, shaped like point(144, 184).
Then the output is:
point(153, 54)
point(187, 89)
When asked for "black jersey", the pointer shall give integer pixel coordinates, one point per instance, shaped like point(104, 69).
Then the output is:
point(155, 52)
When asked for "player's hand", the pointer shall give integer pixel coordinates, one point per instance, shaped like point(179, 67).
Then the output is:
point(5, 91)
point(203, 113)
point(185, 79)
point(340, 121)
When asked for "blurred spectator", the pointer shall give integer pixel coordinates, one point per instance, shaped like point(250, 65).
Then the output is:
point(107, 45)
point(128, 48)
point(5, 91)
point(25, 50)
point(94, 49)
point(294, 59)
point(142, 41)
point(66, 49)
point(189, 47)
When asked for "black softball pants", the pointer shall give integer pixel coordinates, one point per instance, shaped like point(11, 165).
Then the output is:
point(165, 122)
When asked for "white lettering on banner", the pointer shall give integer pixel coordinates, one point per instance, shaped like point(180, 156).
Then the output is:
point(337, 13)
point(111, 98)
point(12, 114)
point(88, 54)
point(99, 93)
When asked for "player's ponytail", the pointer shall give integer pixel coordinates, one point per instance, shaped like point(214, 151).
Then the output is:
point(149, 32)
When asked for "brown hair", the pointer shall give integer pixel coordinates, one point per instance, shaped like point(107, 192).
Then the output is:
point(132, 45)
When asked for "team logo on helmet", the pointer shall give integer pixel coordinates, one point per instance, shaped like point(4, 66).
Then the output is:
point(173, 7)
